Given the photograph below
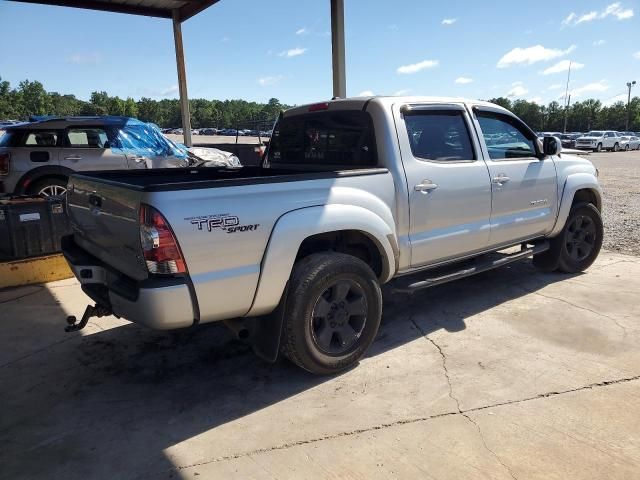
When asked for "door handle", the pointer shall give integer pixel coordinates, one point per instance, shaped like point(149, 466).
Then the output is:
point(75, 158)
point(425, 187)
point(500, 179)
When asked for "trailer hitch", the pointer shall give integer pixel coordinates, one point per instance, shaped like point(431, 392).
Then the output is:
point(95, 311)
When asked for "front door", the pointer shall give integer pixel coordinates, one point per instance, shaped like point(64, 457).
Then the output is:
point(524, 185)
point(88, 148)
point(448, 183)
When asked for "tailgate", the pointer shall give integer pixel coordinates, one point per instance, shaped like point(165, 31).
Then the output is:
point(105, 221)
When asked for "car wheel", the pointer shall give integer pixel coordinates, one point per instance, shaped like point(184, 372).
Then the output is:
point(626, 147)
point(49, 187)
point(581, 238)
point(616, 147)
point(332, 312)
point(599, 147)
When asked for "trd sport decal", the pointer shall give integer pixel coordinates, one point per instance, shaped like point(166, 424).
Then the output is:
point(226, 222)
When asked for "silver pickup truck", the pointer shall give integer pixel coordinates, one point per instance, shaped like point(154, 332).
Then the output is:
point(352, 193)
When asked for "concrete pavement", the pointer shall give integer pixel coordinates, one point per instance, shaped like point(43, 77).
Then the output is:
point(511, 374)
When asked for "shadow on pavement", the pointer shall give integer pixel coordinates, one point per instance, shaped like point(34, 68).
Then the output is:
point(107, 405)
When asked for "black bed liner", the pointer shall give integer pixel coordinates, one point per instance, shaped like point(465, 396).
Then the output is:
point(167, 179)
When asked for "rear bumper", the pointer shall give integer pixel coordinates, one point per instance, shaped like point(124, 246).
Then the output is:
point(162, 304)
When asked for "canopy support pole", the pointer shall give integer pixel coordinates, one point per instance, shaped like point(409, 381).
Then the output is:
point(337, 49)
point(182, 78)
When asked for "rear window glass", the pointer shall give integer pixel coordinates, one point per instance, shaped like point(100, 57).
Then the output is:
point(41, 138)
point(6, 138)
point(439, 135)
point(87, 137)
point(341, 138)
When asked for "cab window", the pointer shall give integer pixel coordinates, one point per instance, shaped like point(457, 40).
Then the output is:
point(87, 138)
point(41, 138)
point(439, 135)
point(505, 138)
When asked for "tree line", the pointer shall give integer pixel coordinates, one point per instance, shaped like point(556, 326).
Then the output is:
point(31, 98)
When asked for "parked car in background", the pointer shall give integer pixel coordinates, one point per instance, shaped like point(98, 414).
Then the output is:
point(569, 139)
point(598, 140)
point(38, 157)
point(629, 142)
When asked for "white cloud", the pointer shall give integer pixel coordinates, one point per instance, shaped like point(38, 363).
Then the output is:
point(562, 66)
point(637, 55)
point(463, 80)
point(517, 91)
point(416, 67)
point(366, 93)
point(537, 100)
point(515, 84)
point(404, 91)
point(530, 55)
point(600, 86)
point(93, 58)
point(449, 21)
point(618, 98)
point(302, 31)
point(292, 52)
point(598, 43)
point(270, 80)
point(613, 10)
point(167, 92)
point(555, 86)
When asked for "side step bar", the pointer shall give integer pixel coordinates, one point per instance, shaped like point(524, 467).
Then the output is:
point(479, 265)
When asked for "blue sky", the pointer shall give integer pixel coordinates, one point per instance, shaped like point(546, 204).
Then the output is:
point(257, 49)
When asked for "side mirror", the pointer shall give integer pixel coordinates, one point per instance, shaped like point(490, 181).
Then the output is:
point(551, 146)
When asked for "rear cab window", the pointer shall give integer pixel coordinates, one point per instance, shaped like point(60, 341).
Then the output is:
point(341, 139)
point(87, 137)
point(40, 138)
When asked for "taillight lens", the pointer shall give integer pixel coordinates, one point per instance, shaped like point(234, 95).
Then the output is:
point(159, 246)
point(4, 163)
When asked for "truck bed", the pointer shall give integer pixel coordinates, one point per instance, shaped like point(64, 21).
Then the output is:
point(169, 179)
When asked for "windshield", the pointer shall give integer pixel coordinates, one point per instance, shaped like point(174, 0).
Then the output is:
point(594, 133)
point(147, 141)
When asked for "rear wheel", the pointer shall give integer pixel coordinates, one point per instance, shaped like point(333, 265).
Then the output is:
point(616, 147)
point(332, 312)
point(49, 187)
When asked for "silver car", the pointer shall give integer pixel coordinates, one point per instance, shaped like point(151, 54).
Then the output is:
point(38, 157)
point(629, 143)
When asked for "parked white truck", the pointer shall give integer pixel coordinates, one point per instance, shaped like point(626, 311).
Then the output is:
point(353, 193)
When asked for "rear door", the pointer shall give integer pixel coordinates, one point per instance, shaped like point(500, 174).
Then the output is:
point(89, 148)
point(448, 182)
point(524, 187)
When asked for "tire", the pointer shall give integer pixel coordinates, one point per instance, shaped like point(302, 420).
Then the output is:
point(616, 147)
point(626, 147)
point(599, 147)
point(48, 187)
point(332, 312)
point(576, 257)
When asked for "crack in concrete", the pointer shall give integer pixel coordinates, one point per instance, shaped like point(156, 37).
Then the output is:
point(409, 421)
point(579, 307)
point(455, 399)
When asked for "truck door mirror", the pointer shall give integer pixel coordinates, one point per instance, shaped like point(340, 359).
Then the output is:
point(551, 146)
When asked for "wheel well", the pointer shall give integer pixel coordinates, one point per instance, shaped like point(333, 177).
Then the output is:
point(56, 176)
point(350, 242)
point(586, 196)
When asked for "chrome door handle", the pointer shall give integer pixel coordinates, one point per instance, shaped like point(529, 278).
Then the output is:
point(73, 157)
point(425, 187)
point(500, 179)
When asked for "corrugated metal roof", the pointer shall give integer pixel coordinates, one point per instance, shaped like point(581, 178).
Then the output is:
point(150, 8)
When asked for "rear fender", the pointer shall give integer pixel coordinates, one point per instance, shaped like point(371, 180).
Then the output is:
point(41, 172)
point(294, 227)
point(575, 182)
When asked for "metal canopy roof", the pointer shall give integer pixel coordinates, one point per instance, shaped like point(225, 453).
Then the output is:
point(150, 8)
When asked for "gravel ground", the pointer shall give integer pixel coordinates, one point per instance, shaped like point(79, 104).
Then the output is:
point(620, 180)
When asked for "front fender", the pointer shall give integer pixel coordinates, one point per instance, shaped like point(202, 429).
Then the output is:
point(294, 227)
point(573, 183)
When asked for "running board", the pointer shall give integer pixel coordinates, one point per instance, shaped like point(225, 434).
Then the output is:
point(479, 265)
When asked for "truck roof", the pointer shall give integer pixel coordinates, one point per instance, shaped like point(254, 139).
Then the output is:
point(357, 103)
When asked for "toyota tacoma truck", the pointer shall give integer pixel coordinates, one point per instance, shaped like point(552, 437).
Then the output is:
point(351, 194)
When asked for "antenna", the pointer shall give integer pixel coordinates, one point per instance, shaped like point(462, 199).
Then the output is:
point(567, 99)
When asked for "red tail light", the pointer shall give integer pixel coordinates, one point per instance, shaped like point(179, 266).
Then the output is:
point(159, 246)
point(4, 163)
point(316, 107)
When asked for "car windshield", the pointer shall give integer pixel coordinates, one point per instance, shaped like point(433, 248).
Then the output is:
point(594, 133)
point(566, 137)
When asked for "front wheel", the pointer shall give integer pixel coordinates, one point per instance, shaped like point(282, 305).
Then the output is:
point(581, 238)
point(599, 147)
point(332, 312)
